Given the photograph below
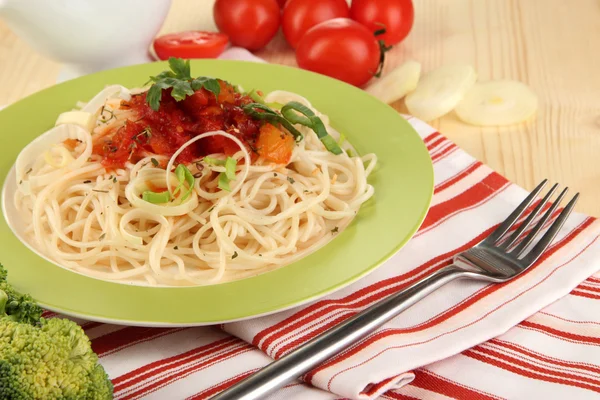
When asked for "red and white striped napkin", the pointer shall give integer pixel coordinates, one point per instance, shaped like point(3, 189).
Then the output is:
point(537, 336)
point(523, 339)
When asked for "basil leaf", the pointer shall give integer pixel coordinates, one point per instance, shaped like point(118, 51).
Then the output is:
point(156, 198)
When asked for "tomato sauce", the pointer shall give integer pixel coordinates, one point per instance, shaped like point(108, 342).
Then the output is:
point(166, 130)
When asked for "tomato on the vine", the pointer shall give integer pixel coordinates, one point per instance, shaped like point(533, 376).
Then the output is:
point(340, 48)
point(395, 16)
point(250, 24)
point(301, 15)
point(191, 44)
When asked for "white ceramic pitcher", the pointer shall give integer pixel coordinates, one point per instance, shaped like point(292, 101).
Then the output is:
point(87, 35)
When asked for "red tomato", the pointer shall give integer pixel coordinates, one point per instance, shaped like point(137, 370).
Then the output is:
point(396, 16)
point(340, 48)
point(192, 44)
point(281, 2)
point(301, 15)
point(250, 24)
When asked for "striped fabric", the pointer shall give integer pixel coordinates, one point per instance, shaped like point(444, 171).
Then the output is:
point(537, 336)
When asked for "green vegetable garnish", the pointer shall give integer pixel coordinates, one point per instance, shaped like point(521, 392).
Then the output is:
point(230, 165)
point(214, 161)
point(181, 82)
point(224, 177)
point(341, 140)
point(184, 175)
point(224, 182)
point(308, 118)
point(210, 84)
point(156, 198)
point(256, 97)
point(271, 116)
point(228, 175)
point(45, 358)
point(275, 105)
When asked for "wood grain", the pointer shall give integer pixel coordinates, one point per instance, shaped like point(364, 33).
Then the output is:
point(552, 45)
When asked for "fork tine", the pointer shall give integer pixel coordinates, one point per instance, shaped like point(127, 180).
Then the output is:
point(538, 227)
point(513, 238)
point(512, 218)
point(548, 237)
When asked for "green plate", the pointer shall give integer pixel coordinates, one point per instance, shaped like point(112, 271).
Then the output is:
point(403, 184)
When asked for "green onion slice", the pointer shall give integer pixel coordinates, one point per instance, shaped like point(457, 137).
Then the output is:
point(183, 174)
point(224, 182)
point(224, 177)
point(275, 105)
point(271, 116)
point(156, 198)
point(256, 97)
point(308, 118)
point(230, 165)
point(341, 140)
point(214, 161)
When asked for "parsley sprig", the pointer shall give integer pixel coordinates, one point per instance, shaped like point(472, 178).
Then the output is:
point(179, 78)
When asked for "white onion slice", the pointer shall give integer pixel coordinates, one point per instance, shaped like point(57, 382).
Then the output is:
point(282, 96)
point(156, 176)
point(111, 91)
point(247, 160)
point(81, 118)
point(495, 103)
point(38, 146)
point(396, 84)
point(439, 91)
point(65, 156)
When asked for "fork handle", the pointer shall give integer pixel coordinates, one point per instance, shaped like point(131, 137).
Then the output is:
point(337, 338)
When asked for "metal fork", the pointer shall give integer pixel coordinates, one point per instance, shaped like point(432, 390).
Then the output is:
point(498, 258)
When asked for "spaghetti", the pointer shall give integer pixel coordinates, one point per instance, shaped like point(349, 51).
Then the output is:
point(224, 215)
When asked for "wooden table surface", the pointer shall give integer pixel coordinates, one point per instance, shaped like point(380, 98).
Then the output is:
point(552, 45)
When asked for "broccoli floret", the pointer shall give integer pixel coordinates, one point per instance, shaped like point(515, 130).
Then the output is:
point(18, 307)
point(45, 358)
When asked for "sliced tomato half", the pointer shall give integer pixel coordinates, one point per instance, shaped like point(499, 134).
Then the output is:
point(190, 44)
